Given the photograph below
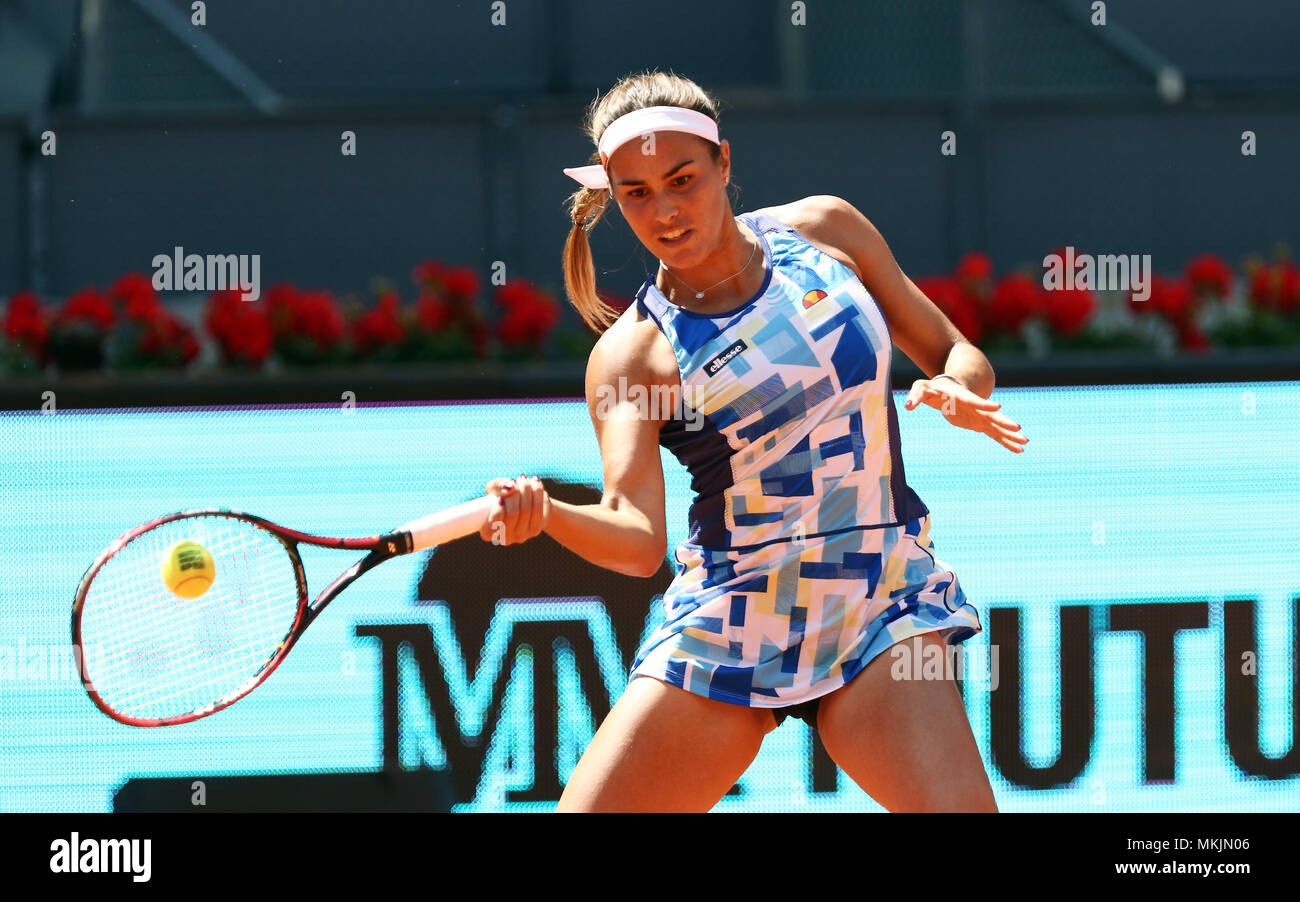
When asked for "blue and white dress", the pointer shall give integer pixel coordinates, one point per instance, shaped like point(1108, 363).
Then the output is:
point(808, 553)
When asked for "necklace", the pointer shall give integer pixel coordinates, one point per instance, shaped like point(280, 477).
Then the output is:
point(700, 294)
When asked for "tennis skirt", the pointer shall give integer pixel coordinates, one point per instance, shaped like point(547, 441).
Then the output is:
point(788, 622)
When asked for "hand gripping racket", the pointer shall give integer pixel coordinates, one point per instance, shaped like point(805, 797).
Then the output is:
point(150, 657)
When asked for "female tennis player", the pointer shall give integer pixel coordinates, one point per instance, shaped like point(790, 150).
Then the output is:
point(809, 557)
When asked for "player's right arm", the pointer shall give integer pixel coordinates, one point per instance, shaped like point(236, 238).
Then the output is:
point(625, 532)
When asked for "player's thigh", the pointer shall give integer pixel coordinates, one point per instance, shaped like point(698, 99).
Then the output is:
point(665, 749)
point(906, 742)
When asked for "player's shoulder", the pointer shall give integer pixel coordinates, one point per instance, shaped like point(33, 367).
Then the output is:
point(811, 212)
point(633, 330)
point(823, 220)
point(633, 347)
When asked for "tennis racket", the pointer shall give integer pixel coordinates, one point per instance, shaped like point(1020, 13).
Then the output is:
point(151, 658)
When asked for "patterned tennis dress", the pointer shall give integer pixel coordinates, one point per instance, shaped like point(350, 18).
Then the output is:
point(808, 553)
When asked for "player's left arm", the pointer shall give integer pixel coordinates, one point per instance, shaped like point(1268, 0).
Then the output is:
point(919, 328)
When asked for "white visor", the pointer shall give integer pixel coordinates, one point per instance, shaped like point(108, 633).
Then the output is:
point(635, 124)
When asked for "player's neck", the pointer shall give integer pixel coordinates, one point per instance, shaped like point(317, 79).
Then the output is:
point(742, 258)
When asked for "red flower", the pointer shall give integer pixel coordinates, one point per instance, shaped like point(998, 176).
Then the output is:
point(431, 313)
point(218, 313)
point(955, 303)
point(242, 328)
point(165, 333)
point(1171, 298)
point(1190, 336)
point(313, 315)
point(316, 315)
point(87, 304)
point(529, 317)
point(1209, 274)
point(460, 284)
point(428, 272)
point(189, 346)
point(436, 315)
point(1276, 287)
point(1015, 299)
point(447, 301)
point(1069, 309)
point(142, 307)
point(380, 326)
point(25, 325)
point(974, 269)
point(281, 299)
point(252, 343)
point(135, 292)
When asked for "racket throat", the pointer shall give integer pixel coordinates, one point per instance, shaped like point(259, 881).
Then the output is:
point(398, 542)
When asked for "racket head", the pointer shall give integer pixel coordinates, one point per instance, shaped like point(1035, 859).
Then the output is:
point(149, 657)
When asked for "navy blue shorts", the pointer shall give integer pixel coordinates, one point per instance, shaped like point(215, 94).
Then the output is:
point(805, 711)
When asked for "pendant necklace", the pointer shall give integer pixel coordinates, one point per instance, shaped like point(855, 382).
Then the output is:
point(700, 294)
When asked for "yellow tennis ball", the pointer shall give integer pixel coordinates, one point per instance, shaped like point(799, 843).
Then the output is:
point(187, 569)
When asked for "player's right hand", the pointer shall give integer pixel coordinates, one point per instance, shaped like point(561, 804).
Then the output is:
point(521, 511)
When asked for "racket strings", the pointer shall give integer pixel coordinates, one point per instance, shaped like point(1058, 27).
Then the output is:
point(135, 581)
point(152, 654)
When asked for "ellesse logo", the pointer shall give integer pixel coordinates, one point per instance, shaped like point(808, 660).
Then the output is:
point(724, 358)
point(813, 297)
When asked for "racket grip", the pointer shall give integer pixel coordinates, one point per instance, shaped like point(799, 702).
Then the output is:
point(452, 523)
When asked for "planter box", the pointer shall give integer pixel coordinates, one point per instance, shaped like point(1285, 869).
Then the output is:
point(483, 380)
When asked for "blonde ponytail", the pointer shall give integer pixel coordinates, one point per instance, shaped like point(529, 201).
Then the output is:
point(585, 209)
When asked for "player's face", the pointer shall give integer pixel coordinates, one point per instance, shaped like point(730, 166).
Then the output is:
point(668, 184)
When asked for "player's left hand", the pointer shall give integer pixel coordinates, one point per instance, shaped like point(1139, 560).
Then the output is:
point(964, 408)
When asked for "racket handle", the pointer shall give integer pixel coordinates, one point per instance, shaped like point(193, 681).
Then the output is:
point(452, 523)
